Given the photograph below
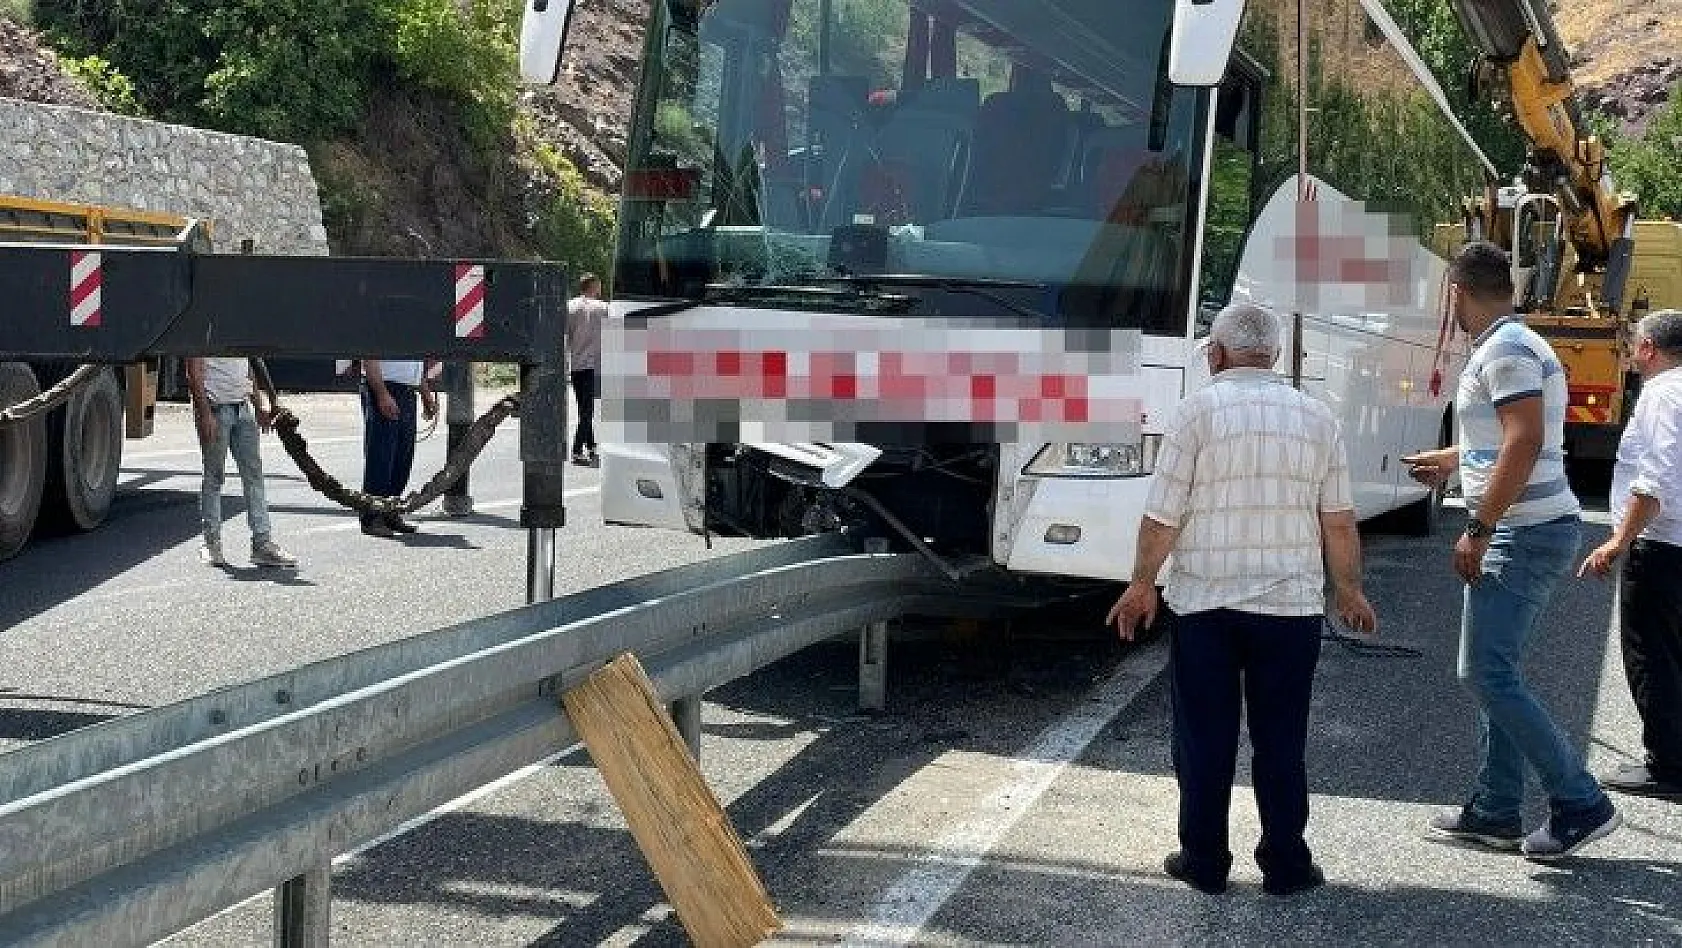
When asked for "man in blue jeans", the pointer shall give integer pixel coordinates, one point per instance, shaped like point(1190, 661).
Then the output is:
point(1521, 537)
point(227, 414)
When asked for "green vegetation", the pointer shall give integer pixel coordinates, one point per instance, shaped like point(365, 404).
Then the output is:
point(293, 70)
point(574, 225)
point(18, 11)
point(1650, 164)
point(1436, 33)
point(109, 87)
point(308, 71)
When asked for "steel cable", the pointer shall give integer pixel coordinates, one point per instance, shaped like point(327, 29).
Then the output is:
point(50, 399)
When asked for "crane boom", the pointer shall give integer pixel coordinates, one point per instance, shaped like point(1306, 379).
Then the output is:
point(1525, 68)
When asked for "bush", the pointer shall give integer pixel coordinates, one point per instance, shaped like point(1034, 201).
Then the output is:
point(575, 225)
point(294, 70)
point(18, 11)
point(110, 88)
point(468, 52)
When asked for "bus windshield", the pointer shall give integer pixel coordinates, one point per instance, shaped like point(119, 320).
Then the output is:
point(790, 142)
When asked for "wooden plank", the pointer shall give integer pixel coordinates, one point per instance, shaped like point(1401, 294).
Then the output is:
point(678, 823)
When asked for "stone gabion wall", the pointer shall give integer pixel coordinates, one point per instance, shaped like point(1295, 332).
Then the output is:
point(246, 187)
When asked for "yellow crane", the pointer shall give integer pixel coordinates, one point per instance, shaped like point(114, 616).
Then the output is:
point(1573, 235)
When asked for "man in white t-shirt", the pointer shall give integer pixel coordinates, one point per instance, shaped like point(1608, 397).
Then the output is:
point(585, 313)
point(228, 414)
point(389, 392)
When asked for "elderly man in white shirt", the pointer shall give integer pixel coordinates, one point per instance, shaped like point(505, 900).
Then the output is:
point(1647, 507)
point(1251, 496)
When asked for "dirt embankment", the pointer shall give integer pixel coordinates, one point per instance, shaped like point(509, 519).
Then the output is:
point(31, 72)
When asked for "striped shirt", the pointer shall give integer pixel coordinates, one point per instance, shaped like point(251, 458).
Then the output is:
point(1246, 468)
point(1510, 363)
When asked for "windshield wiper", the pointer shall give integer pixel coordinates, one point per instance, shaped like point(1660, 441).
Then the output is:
point(931, 279)
point(972, 286)
point(761, 293)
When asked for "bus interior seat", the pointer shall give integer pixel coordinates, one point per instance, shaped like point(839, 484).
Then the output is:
point(1111, 157)
point(1013, 170)
point(925, 146)
point(837, 138)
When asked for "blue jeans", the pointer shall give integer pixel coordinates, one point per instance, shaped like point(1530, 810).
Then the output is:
point(236, 426)
point(388, 445)
point(1520, 570)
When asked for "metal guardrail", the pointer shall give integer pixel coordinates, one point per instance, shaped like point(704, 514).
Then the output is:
point(132, 830)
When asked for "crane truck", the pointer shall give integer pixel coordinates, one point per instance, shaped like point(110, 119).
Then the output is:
point(1573, 236)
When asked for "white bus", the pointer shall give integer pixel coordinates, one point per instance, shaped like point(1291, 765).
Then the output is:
point(1116, 164)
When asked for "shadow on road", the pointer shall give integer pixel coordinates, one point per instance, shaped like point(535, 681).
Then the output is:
point(943, 695)
point(33, 724)
point(1386, 728)
point(55, 569)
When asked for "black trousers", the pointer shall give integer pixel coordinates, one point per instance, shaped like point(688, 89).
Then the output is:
point(1222, 663)
point(388, 445)
point(1650, 615)
point(584, 393)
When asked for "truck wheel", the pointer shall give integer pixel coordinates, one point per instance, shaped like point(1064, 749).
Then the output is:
point(84, 452)
point(23, 461)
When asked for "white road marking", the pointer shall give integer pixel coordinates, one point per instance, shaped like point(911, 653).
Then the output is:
point(908, 905)
point(194, 451)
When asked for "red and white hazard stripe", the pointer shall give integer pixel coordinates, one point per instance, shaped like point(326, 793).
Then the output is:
point(470, 301)
point(85, 280)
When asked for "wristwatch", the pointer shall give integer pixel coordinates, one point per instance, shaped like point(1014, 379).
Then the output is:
point(1476, 528)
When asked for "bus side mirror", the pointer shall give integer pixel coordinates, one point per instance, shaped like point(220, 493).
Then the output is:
point(1201, 41)
point(543, 36)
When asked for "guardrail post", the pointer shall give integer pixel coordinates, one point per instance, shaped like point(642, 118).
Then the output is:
point(458, 415)
point(873, 667)
point(686, 714)
point(301, 909)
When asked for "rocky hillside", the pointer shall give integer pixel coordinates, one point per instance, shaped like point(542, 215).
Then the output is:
point(407, 184)
point(586, 113)
point(1628, 53)
point(29, 72)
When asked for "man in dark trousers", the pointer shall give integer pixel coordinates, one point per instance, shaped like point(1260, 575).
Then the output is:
point(585, 313)
point(389, 392)
point(1647, 508)
point(1251, 495)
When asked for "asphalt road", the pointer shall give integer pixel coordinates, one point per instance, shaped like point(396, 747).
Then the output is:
point(1016, 791)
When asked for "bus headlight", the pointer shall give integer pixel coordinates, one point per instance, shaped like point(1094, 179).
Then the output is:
point(1078, 459)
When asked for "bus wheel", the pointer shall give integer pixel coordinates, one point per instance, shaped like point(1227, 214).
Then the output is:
point(84, 452)
point(23, 461)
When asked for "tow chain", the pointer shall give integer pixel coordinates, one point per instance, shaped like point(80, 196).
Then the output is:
point(478, 435)
point(286, 426)
point(32, 408)
point(455, 466)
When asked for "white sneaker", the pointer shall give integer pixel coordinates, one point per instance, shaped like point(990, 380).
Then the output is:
point(210, 553)
point(266, 552)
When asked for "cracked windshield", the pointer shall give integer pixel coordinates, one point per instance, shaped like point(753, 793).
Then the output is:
point(795, 143)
